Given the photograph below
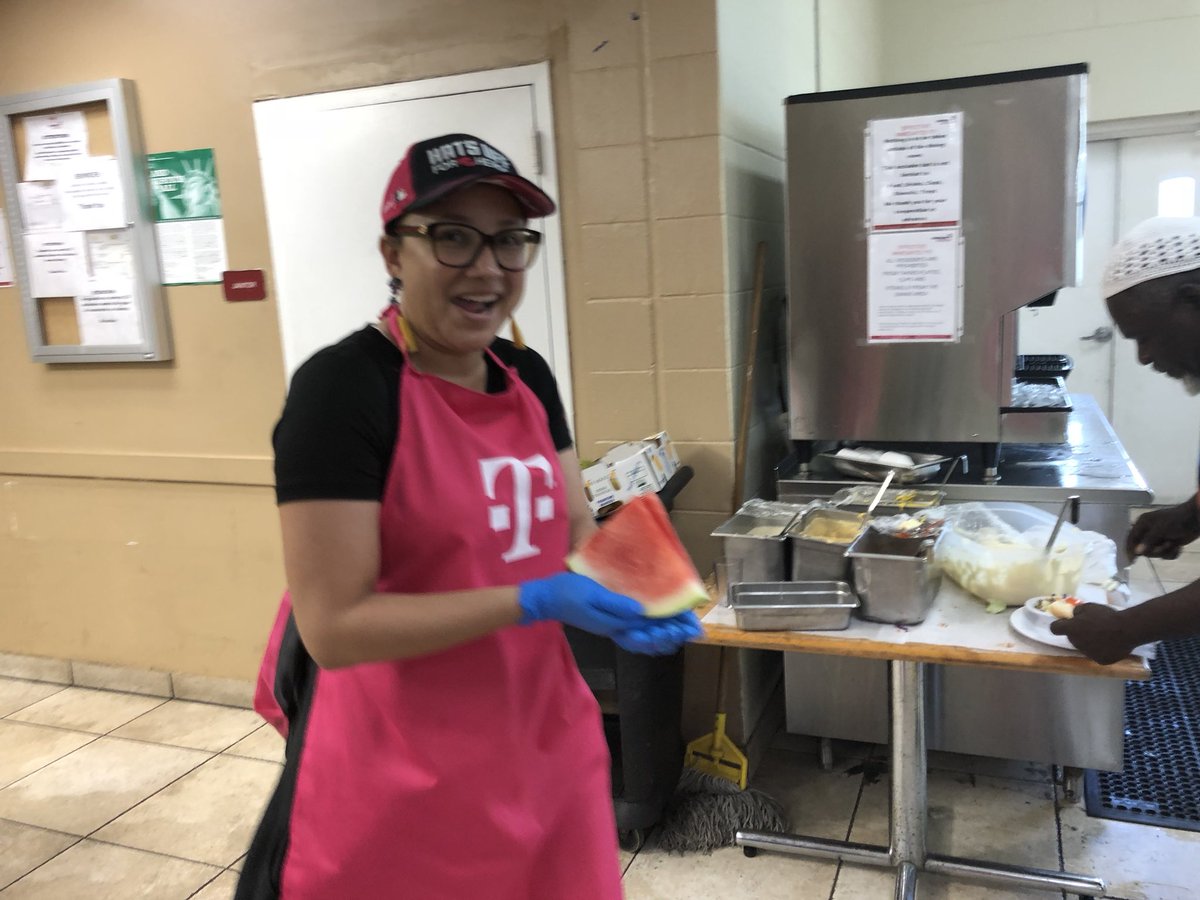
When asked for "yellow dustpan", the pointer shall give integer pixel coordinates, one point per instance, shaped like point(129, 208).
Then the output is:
point(715, 753)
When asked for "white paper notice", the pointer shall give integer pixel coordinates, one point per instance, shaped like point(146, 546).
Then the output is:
point(90, 187)
point(6, 267)
point(192, 251)
point(110, 256)
point(915, 172)
point(913, 290)
point(107, 314)
point(57, 263)
point(52, 140)
point(41, 205)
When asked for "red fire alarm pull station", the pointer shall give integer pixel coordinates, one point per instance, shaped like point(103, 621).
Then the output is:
point(244, 284)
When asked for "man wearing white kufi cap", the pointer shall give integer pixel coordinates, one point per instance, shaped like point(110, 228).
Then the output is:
point(1152, 285)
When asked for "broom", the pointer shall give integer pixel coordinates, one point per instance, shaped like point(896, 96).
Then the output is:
point(711, 803)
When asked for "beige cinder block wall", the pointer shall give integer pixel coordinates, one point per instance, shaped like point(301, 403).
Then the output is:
point(768, 50)
point(649, 325)
point(139, 521)
point(1141, 55)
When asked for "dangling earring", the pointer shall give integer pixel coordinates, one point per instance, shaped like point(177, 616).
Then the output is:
point(518, 338)
point(406, 332)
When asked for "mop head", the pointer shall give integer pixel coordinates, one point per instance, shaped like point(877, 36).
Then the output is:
point(707, 812)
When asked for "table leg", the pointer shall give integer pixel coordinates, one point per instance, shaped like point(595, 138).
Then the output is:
point(908, 775)
point(906, 882)
point(907, 814)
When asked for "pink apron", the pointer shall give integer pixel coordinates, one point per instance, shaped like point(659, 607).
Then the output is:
point(480, 771)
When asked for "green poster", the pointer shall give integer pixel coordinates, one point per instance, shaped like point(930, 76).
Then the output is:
point(183, 185)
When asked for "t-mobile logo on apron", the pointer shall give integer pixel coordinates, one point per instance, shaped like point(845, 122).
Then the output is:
point(519, 517)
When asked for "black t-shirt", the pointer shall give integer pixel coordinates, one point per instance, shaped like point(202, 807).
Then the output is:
point(341, 420)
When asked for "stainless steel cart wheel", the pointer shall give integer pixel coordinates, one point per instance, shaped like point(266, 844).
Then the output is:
point(826, 754)
point(631, 841)
point(1071, 779)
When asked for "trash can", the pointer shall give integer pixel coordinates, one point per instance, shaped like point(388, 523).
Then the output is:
point(641, 699)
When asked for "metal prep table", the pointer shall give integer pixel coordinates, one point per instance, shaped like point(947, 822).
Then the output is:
point(984, 711)
point(956, 636)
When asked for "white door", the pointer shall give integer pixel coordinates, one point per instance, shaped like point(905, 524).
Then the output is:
point(1078, 323)
point(325, 160)
point(1129, 179)
point(1155, 418)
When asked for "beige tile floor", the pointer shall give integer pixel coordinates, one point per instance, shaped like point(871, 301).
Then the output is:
point(110, 796)
point(162, 806)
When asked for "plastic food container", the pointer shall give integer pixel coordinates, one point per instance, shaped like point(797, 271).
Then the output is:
point(996, 551)
point(895, 578)
point(792, 605)
point(819, 539)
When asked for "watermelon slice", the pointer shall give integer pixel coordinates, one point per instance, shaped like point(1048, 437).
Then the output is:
point(637, 553)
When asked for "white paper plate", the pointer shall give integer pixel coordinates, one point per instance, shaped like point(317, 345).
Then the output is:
point(1027, 625)
point(1036, 615)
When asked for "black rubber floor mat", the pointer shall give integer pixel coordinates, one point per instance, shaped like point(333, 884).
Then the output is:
point(1160, 784)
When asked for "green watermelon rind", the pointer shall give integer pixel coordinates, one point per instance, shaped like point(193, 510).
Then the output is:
point(690, 596)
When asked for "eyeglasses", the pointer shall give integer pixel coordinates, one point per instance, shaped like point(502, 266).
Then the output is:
point(459, 246)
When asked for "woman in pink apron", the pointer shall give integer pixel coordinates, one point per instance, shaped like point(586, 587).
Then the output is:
point(441, 742)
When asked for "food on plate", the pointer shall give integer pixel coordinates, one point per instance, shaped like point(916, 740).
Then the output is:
point(1059, 607)
point(637, 553)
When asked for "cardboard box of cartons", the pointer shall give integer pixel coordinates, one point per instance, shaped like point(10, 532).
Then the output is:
point(625, 471)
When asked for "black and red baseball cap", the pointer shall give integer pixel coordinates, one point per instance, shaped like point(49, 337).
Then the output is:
point(433, 168)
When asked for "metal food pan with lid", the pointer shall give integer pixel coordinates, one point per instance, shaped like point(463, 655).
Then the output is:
point(758, 541)
point(861, 495)
point(925, 466)
point(792, 605)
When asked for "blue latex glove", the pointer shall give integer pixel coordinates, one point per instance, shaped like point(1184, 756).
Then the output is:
point(660, 637)
point(579, 601)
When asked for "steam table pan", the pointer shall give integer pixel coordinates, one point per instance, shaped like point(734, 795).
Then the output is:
point(792, 605)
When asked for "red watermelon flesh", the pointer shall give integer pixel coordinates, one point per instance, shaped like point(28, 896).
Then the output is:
point(637, 553)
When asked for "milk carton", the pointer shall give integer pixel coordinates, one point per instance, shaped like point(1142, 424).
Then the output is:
point(661, 445)
point(604, 489)
point(639, 465)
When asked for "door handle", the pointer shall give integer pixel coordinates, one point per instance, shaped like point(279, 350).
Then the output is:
point(1101, 335)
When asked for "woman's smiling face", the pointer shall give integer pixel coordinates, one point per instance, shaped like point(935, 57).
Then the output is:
point(457, 311)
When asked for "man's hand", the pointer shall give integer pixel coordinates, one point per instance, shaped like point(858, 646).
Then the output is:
point(1100, 631)
point(1163, 533)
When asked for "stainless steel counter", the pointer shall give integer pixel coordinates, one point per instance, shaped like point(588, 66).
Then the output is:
point(1063, 719)
point(1092, 464)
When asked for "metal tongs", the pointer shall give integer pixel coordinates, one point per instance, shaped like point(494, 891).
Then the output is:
point(1072, 504)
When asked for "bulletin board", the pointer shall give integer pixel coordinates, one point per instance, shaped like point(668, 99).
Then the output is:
point(81, 233)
